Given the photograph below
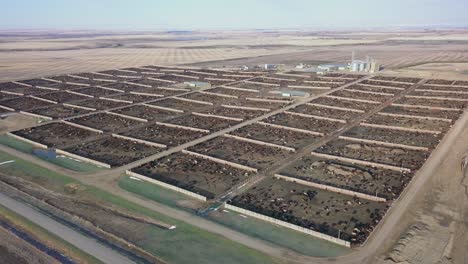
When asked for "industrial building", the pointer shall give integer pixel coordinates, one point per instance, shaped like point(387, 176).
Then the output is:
point(334, 67)
point(369, 65)
point(198, 85)
point(294, 94)
point(270, 66)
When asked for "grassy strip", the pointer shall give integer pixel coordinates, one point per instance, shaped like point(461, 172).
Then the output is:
point(284, 237)
point(281, 236)
point(185, 244)
point(49, 238)
point(157, 193)
point(64, 162)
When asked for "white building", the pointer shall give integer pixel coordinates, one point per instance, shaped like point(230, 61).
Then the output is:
point(358, 66)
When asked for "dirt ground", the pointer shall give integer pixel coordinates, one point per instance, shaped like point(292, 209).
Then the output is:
point(16, 122)
point(449, 70)
point(436, 224)
point(48, 53)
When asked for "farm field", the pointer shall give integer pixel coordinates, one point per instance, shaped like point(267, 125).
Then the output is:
point(47, 55)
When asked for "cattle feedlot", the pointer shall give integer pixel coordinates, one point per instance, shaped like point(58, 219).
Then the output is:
point(329, 164)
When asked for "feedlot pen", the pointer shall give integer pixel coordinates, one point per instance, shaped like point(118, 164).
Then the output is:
point(330, 163)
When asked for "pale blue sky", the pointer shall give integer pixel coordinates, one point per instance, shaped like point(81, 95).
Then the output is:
point(211, 14)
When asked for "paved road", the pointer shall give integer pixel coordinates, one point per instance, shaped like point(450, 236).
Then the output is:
point(86, 244)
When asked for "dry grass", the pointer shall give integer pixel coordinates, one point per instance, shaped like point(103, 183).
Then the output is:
point(447, 70)
point(48, 53)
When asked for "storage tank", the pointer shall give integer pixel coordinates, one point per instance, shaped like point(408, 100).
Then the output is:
point(362, 66)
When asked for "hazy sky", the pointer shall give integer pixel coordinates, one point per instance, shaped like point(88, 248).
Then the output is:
point(209, 14)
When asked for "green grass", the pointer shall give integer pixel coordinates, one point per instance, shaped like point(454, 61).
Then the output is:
point(185, 244)
point(16, 144)
point(64, 162)
point(51, 239)
point(284, 237)
point(281, 236)
point(33, 172)
point(73, 165)
point(155, 193)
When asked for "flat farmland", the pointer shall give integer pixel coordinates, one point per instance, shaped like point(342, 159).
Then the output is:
point(201, 176)
point(46, 56)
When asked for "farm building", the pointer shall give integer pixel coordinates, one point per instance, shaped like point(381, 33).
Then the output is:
point(199, 85)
